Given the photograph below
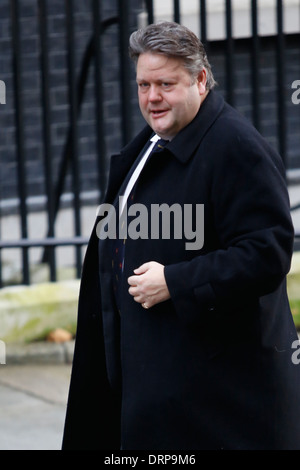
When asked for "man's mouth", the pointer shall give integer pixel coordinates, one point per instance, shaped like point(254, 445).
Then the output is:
point(156, 113)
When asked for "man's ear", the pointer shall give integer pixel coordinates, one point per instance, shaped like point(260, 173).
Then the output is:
point(201, 81)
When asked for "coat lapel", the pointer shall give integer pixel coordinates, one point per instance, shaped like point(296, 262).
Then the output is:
point(120, 164)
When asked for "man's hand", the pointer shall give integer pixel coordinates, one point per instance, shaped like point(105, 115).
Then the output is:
point(148, 285)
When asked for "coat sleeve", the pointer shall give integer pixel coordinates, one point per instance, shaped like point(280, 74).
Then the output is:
point(250, 215)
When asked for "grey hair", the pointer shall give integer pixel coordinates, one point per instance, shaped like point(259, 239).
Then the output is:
point(173, 40)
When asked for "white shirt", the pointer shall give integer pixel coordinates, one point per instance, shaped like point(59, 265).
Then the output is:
point(137, 173)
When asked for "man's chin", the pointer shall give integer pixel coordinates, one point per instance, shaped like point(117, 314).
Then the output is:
point(160, 130)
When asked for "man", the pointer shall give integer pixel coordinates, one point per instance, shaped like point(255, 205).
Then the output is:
point(189, 345)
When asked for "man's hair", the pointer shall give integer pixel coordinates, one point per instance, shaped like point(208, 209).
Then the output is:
point(172, 40)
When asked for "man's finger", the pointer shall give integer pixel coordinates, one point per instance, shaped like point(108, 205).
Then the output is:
point(141, 269)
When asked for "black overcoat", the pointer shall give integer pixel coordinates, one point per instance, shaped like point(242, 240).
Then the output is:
point(213, 367)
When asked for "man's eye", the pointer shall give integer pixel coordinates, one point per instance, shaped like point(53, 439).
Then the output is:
point(143, 85)
point(167, 85)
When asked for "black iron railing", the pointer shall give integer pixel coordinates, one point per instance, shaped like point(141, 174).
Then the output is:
point(76, 87)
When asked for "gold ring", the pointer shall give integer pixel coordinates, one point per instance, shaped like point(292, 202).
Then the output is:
point(144, 306)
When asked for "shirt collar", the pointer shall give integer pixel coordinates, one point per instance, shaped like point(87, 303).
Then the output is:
point(155, 138)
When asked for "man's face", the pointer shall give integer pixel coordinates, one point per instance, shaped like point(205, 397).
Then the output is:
point(168, 97)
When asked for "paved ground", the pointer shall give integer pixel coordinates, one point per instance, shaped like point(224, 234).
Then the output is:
point(32, 406)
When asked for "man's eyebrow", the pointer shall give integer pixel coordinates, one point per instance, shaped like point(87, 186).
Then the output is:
point(158, 80)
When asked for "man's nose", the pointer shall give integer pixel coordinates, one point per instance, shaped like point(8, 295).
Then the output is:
point(154, 93)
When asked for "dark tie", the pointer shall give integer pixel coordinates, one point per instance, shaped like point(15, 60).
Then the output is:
point(118, 257)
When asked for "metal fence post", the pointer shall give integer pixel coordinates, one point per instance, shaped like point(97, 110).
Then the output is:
point(42, 8)
point(17, 73)
point(73, 112)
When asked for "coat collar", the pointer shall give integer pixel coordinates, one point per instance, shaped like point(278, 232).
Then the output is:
point(182, 146)
point(186, 141)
